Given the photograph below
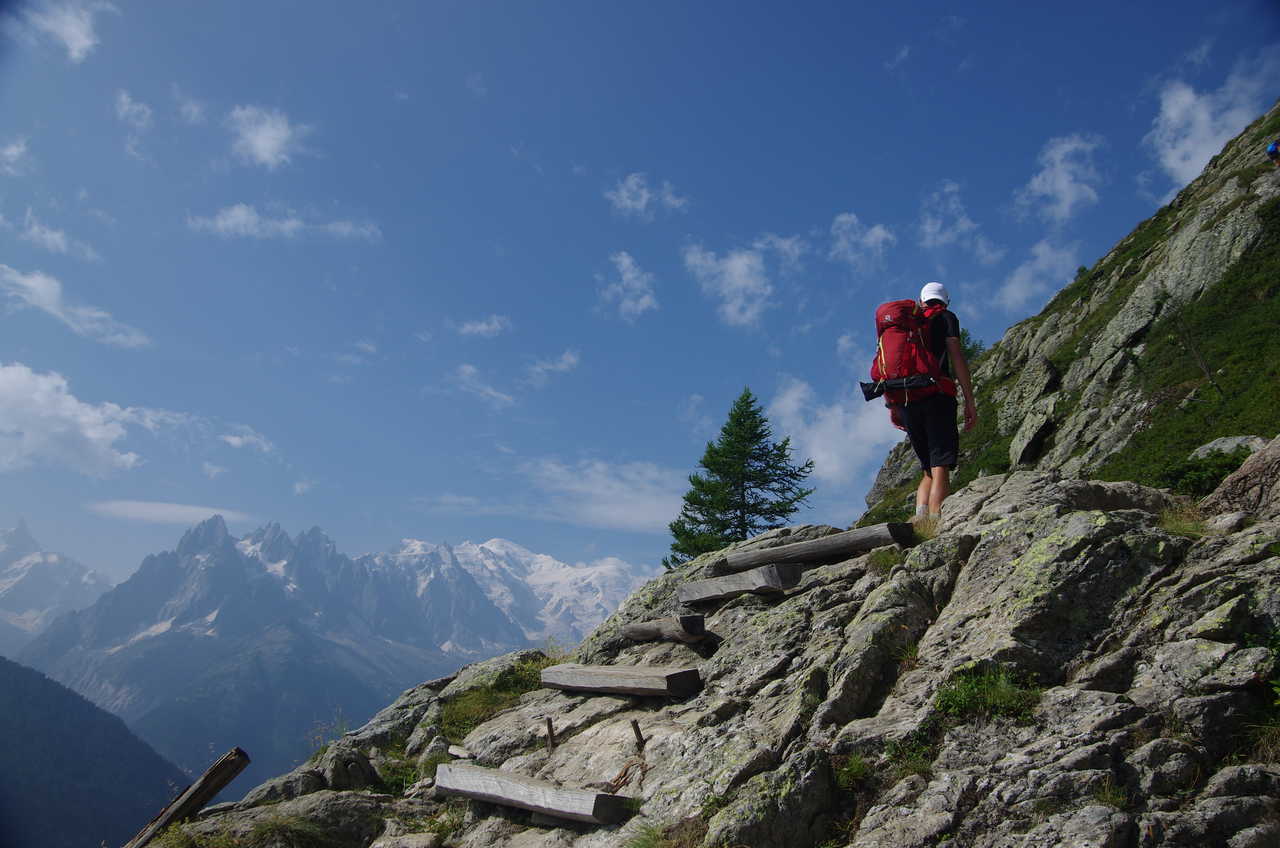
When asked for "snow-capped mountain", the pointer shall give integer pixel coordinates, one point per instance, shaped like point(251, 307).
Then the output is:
point(36, 586)
point(255, 641)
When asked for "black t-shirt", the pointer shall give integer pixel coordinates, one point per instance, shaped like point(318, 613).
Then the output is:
point(945, 325)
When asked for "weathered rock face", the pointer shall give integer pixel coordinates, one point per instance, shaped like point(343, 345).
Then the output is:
point(1143, 659)
point(1068, 389)
point(1253, 487)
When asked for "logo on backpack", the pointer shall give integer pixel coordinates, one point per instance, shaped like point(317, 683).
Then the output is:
point(905, 368)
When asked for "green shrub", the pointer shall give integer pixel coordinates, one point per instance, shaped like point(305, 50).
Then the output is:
point(896, 506)
point(986, 693)
point(851, 771)
point(912, 755)
point(1199, 477)
point(882, 560)
point(290, 832)
point(466, 712)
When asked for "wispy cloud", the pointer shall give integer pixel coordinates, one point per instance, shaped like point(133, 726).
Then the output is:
point(541, 370)
point(54, 240)
point(844, 438)
point(855, 244)
point(265, 137)
point(1048, 268)
point(69, 24)
point(14, 158)
point(632, 196)
point(898, 58)
point(476, 84)
point(157, 512)
point(191, 110)
point(468, 379)
point(41, 291)
point(693, 413)
point(212, 471)
point(1191, 127)
point(486, 327)
point(738, 280)
point(1066, 181)
point(138, 117)
point(632, 291)
point(635, 496)
point(303, 486)
point(243, 436)
point(944, 221)
point(244, 221)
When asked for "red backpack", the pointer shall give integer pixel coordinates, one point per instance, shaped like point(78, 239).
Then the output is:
point(905, 369)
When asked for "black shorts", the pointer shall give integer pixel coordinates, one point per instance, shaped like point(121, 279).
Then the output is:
point(931, 426)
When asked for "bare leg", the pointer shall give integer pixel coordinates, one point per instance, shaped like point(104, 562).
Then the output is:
point(922, 494)
point(940, 486)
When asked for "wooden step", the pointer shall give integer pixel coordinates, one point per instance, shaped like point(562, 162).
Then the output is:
point(769, 579)
point(831, 548)
point(530, 793)
point(656, 680)
point(678, 628)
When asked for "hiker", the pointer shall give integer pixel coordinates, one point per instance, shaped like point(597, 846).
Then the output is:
point(1273, 152)
point(918, 363)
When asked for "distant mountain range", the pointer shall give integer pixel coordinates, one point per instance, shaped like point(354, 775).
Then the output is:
point(36, 586)
point(268, 640)
point(74, 775)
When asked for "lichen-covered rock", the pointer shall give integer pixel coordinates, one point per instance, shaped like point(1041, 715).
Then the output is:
point(1254, 487)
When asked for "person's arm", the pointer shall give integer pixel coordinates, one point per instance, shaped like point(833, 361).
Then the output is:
point(961, 366)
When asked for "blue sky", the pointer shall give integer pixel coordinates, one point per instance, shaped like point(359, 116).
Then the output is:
point(462, 270)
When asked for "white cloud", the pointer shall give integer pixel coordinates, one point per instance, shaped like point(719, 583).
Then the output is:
point(1066, 181)
point(898, 58)
point(243, 436)
point(43, 292)
point(244, 221)
point(70, 24)
point(635, 496)
point(541, 371)
point(155, 512)
point(1047, 269)
point(42, 422)
point(303, 486)
point(54, 240)
point(190, 109)
point(694, 414)
point(486, 327)
point(468, 379)
point(366, 347)
point(633, 196)
point(789, 249)
point(14, 158)
point(738, 280)
point(633, 291)
point(944, 221)
point(265, 137)
point(857, 245)
point(133, 112)
point(844, 438)
point(211, 471)
point(1191, 127)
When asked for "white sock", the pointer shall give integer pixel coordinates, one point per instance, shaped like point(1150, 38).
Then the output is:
point(922, 509)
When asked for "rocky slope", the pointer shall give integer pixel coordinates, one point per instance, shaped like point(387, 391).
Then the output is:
point(1054, 668)
point(1108, 380)
point(268, 641)
point(37, 586)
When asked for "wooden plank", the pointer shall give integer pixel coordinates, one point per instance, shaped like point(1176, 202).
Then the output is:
point(769, 579)
point(192, 799)
point(831, 548)
point(530, 793)
point(623, 679)
point(678, 628)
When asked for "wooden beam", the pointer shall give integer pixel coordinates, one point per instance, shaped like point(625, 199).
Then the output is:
point(831, 548)
point(623, 679)
point(678, 628)
point(193, 799)
point(769, 579)
point(530, 793)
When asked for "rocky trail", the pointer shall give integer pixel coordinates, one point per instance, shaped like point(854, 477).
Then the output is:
point(1055, 667)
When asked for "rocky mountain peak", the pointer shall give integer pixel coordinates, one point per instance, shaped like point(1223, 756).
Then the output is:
point(207, 536)
point(17, 542)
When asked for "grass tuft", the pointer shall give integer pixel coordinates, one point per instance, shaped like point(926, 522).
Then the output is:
point(1112, 794)
point(986, 693)
point(852, 771)
point(882, 560)
point(465, 713)
point(1183, 520)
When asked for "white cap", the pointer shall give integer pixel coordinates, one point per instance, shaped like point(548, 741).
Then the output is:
point(934, 291)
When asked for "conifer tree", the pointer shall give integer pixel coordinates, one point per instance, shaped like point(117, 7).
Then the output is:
point(748, 485)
